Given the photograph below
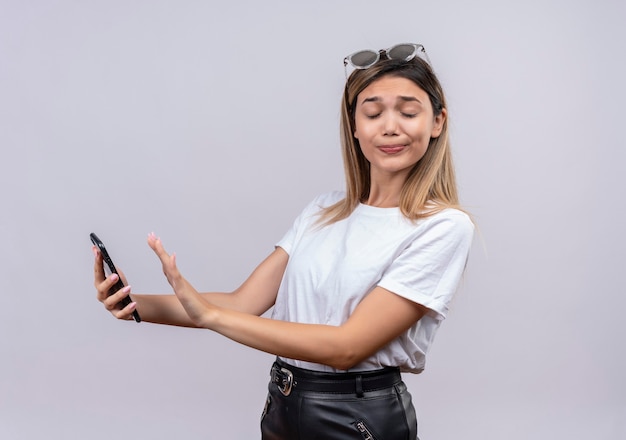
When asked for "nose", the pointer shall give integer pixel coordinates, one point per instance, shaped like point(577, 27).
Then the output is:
point(390, 125)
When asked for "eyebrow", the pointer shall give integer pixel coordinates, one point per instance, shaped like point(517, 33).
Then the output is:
point(409, 99)
point(401, 98)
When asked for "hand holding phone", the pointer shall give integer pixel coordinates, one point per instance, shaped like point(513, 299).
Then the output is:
point(112, 270)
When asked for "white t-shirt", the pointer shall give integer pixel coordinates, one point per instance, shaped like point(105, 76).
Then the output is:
point(332, 268)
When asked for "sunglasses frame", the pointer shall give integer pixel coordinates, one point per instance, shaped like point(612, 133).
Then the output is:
point(418, 50)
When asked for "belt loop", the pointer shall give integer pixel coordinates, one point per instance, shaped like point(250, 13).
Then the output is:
point(359, 386)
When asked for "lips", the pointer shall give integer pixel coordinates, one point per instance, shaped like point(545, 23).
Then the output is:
point(391, 149)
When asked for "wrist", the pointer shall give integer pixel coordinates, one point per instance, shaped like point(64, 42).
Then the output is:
point(212, 317)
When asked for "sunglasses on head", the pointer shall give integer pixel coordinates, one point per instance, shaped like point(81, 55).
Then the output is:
point(364, 59)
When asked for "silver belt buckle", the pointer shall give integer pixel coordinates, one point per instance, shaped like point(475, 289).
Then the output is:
point(287, 384)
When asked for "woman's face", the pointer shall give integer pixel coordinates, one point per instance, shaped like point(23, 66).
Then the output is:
point(394, 123)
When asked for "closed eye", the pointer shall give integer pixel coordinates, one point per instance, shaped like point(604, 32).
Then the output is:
point(373, 116)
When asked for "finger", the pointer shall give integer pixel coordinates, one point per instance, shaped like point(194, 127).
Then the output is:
point(105, 286)
point(126, 313)
point(157, 246)
point(111, 302)
point(168, 261)
point(98, 268)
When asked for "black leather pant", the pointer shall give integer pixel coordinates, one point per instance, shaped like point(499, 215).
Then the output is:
point(383, 414)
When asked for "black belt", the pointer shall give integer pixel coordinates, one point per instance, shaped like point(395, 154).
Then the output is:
point(287, 378)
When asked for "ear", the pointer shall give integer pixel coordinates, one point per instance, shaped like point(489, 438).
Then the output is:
point(355, 134)
point(438, 123)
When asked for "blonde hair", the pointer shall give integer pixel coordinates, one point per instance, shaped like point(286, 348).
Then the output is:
point(431, 184)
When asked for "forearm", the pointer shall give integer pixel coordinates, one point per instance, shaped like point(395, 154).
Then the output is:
point(323, 344)
point(314, 343)
point(162, 309)
point(380, 317)
point(167, 309)
point(224, 313)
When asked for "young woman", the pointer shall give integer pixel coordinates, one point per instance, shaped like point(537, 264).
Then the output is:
point(361, 281)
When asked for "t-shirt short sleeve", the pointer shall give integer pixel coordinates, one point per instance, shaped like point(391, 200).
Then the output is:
point(307, 217)
point(429, 269)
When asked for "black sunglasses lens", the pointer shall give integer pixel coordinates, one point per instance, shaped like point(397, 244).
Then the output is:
point(402, 52)
point(364, 59)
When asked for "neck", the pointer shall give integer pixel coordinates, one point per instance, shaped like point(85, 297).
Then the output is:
point(385, 191)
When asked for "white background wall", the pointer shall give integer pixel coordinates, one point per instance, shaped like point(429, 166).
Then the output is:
point(214, 123)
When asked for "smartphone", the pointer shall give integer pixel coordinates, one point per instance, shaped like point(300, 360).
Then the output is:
point(111, 270)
